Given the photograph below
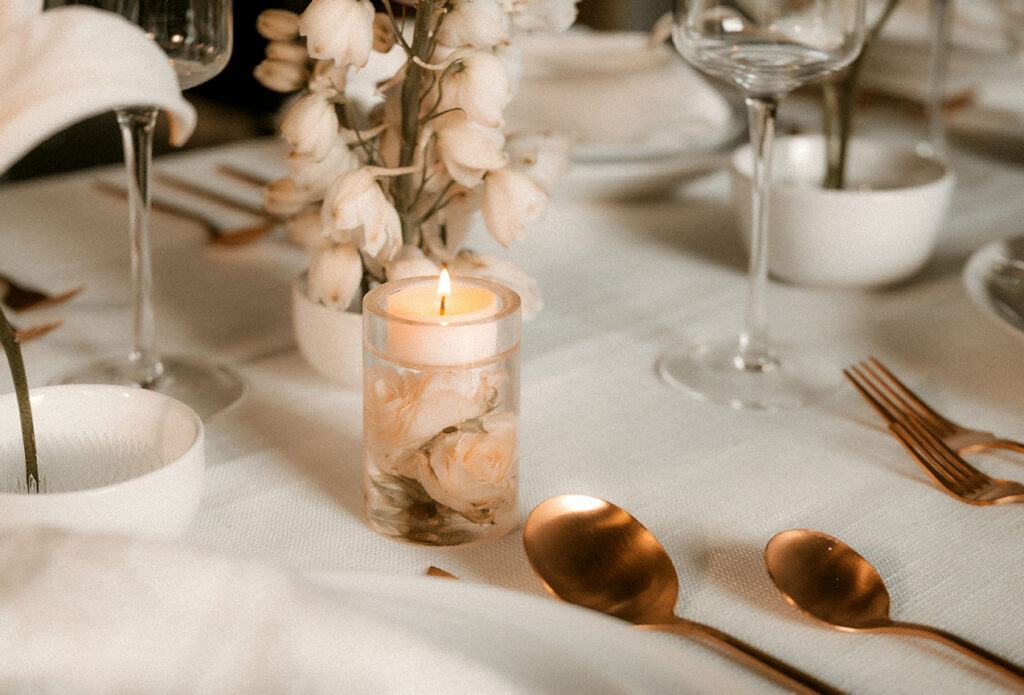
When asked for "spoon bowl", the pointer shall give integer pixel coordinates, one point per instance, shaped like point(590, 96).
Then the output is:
point(595, 554)
point(827, 579)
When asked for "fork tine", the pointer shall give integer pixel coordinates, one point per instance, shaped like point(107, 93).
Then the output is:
point(911, 442)
point(963, 472)
point(871, 394)
point(912, 400)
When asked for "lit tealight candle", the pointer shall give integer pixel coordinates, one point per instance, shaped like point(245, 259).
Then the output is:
point(442, 303)
point(441, 322)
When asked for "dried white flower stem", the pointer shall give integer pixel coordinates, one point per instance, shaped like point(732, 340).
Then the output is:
point(421, 50)
point(12, 348)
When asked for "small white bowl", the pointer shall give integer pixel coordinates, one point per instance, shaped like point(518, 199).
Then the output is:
point(877, 231)
point(330, 340)
point(112, 459)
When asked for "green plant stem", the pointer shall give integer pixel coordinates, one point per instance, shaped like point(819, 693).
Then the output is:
point(12, 348)
point(839, 97)
point(422, 48)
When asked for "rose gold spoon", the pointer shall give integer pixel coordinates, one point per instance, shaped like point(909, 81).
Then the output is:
point(592, 553)
point(828, 579)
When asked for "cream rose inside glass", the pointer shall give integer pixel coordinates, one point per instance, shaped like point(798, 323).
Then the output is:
point(441, 410)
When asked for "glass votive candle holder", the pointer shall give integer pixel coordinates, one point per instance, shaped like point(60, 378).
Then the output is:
point(441, 411)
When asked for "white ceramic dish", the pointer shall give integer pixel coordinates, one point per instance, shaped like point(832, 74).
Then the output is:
point(111, 458)
point(994, 279)
point(638, 116)
point(331, 341)
point(878, 231)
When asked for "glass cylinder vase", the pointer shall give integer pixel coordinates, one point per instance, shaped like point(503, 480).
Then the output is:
point(441, 410)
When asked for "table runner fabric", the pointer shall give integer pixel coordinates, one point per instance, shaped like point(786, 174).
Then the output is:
point(622, 280)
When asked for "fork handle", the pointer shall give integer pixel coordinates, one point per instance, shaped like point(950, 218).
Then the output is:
point(765, 664)
point(960, 644)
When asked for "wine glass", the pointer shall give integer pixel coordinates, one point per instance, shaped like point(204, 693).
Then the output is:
point(935, 145)
point(766, 48)
point(197, 37)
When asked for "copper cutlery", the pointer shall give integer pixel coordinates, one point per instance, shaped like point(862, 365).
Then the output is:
point(955, 475)
point(32, 332)
point(594, 554)
point(828, 580)
point(20, 297)
point(217, 233)
point(899, 399)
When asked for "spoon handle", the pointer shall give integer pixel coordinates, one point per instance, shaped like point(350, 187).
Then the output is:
point(972, 650)
point(766, 664)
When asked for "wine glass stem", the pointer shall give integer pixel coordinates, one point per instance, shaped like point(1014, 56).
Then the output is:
point(137, 137)
point(755, 353)
point(937, 77)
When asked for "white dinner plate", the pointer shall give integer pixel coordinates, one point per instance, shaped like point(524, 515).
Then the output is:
point(537, 645)
point(637, 115)
point(994, 278)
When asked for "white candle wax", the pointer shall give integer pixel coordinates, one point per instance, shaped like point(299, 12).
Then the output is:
point(434, 328)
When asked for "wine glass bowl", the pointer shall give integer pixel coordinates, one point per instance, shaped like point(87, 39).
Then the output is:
point(197, 36)
point(765, 48)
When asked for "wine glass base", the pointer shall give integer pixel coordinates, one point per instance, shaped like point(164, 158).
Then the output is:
point(716, 371)
point(205, 387)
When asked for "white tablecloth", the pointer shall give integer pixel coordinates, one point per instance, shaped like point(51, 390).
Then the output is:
point(622, 280)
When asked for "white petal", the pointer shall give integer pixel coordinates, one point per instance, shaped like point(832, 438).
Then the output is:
point(311, 126)
point(55, 72)
point(481, 89)
point(478, 23)
point(334, 275)
point(469, 150)
point(339, 30)
point(511, 200)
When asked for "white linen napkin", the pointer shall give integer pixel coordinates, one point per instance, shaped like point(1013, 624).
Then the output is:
point(103, 614)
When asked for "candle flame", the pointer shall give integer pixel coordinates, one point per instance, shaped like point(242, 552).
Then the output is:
point(444, 287)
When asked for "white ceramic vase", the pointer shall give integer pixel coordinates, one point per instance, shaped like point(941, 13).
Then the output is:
point(879, 230)
point(329, 339)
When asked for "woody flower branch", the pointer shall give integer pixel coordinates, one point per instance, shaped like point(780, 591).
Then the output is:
point(399, 145)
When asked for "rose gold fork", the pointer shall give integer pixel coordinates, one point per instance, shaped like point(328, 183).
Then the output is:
point(26, 334)
point(19, 297)
point(957, 477)
point(959, 438)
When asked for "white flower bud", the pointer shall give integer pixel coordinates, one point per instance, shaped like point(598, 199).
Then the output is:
point(311, 126)
point(356, 204)
point(278, 25)
point(503, 272)
point(410, 263)
point(283, 198)
point(542, 157)
point(460, 217)
point(510, 201)
point(306, 230)
point(383, 33)
point(541, 15)
point(476, 23)
point(511, 57)
point(469, 150)
point(334, 275)
point(315, 176)
point(479, 86)
point(281, 76)
point(328, 79)
point(339, 30)
point(289, 51)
